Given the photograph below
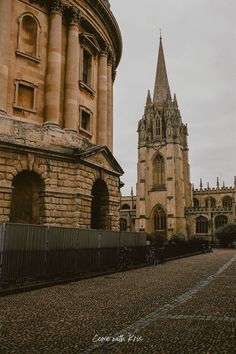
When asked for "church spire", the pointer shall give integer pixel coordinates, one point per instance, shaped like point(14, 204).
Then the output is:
point(161, 88)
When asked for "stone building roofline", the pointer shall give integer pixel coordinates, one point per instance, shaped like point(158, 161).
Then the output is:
point(95, 151)
point(218, 188)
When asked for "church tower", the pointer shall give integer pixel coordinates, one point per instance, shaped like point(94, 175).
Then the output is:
point(163, 181)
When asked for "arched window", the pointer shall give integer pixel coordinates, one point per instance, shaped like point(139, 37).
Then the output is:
point(100, 218)
point(159, 172)
point(227, 202)
point(220, 220)
point(125, 206)
point(201, 225)
point(123, 224)
point(196, 203)
point(160, 220)
point(28, 37)
point(212, 202)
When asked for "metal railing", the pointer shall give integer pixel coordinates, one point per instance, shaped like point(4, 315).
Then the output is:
point(34, 252)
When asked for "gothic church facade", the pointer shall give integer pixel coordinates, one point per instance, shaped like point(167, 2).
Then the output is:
point(166, 204)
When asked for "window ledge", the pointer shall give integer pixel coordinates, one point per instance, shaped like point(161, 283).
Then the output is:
point(88, 133)
point(158, 188)
point(87, 88)
point(24, 109)
point(28, 56)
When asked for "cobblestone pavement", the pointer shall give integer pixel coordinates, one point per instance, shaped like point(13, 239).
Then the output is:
point(184, 306)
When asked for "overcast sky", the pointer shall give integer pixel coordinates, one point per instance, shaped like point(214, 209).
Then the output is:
point(199, 40)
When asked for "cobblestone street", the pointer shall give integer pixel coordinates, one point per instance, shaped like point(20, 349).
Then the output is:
point(184, 306)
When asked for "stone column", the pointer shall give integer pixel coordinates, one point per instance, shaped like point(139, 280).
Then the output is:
point(109, 104)
point(5, 33)
point(102, 99)
point(53, 78)
point(72, 73)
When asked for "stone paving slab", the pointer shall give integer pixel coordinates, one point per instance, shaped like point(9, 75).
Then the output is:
point(65, 319)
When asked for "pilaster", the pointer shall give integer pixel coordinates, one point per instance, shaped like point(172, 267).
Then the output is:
point(102, 97)
point(5, 32)
point(109, 103)
point(53, 78)
point(72, 72)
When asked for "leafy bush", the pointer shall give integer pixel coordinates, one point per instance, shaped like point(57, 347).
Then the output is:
point(177, 238)
point(226, 235)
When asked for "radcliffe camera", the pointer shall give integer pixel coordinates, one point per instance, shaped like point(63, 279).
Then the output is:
point(117, 177)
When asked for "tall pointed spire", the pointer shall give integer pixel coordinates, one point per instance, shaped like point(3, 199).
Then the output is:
point(161, 88)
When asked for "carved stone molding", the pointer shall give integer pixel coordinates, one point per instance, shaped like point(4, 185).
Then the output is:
point(105, 49)
point(110, 59)
point(57, 6)
point(73, 16)
point(114, 75)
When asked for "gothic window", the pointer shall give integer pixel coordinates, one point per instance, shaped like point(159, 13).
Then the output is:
point(123, 224)
point(227, 202)
point(159, 172)
point(28, 37)
point(196, 203)
point(210, 202)
point(220, 220)
point(125, 206)
point(25, 96)
point(201, 225)
point(160, 220)
point(158, 127)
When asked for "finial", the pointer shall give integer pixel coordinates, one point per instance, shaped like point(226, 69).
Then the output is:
point(235, 181)
point(132, 192)
point(175, 100)
point(149, 100)
point(208, 186)
point(223, 184)
point(217, 182)
point(200, 183)
point(160, 34)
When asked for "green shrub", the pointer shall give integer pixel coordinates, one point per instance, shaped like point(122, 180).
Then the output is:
point(226, 235)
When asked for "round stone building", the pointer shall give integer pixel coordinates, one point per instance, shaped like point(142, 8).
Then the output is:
point(57, 67)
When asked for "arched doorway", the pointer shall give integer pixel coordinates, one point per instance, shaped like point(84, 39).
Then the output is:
point(27, 198)
point(100, 207)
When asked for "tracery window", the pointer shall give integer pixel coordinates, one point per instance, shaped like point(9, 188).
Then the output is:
point(28, 37)
point(158, 126)
point(196, 203)
point(160, 220)
point(123, 224)
point(220, 220)
point(125, 206)
point(227, 202)
point(201, 225)
point(159, 172)
point(210, 202)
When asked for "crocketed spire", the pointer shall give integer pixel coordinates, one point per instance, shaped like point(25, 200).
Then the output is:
point(161, 87)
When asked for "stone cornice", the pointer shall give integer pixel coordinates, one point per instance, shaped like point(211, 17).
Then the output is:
point(109, 21)
point(100, 8)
